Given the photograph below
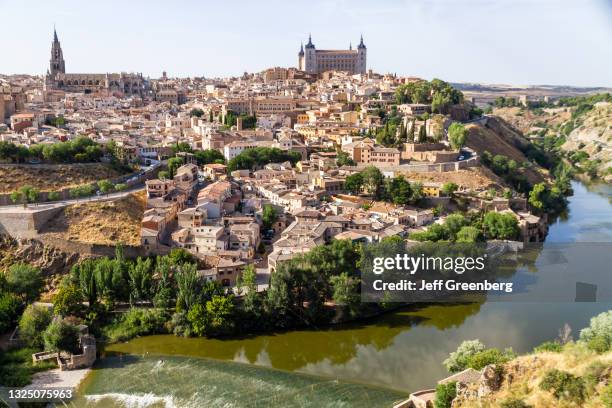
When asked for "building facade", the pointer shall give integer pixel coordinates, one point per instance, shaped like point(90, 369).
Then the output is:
point(57, 78)
point(315, 61)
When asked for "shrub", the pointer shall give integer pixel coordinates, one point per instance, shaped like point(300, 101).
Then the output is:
point(549, 346)
point(137, 322)
point(61, 336)
point(483, 358)
point(25, 281)
point(67, 300)
point(179, 325)
point(593, 374)
point(458, 360)
point(600, 326)
point(514, 403)
point(564, 385)
point(599, 344)
point(10, 306)
point(606, 396)
point(32, 324)
point(445, 394)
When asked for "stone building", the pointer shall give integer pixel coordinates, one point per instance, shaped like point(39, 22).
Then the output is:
point(57, 78)
point(315, 61)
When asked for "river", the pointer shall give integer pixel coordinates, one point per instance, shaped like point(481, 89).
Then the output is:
point(370, 363)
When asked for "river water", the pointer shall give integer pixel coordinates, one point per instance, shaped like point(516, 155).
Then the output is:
point(370, 363)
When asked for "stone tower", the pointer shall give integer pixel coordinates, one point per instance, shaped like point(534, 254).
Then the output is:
point(56, 64)
point(310, 57)
point(361, 57)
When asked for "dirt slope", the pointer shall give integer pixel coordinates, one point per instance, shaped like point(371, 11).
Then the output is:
point(52, 177)
point(499, 137)
point(100, 222)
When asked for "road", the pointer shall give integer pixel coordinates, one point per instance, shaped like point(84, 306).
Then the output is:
point(63, 203)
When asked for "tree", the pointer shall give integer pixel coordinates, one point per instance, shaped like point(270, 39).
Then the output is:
point(422, 138)
point(372, 180)
point(469, 234)
point(454, 223)
point(105, 186)
point(187, 281)
point(344, 159)
point(251, 302)
point(416, 192)
point(173, 164)
point(268, 216)
point(440, 103)
point(10, 307)
point(208, 156)
point(449, 188)
point(25, 281)
point(198, 319)
point(219, 311)
point(197, 112)
point(457, 135)
point(345, 291)
point(165, 292)
point(120, 187)
point(163, 175)
point(84, 275)
point(445, 394)
point(600, 328)
point(33, 323)
point(536, 196)
point(180, 256)
point(25, 194)
point(398, 190)
point(410, 138)
point(140, 276)
point(84, 190)
point(354, 183)
point(249, 159)
point(500, 226)
point(53, 196)
point(67, 300)
point(61, 336)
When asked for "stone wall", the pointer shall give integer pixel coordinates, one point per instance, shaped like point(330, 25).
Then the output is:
point(25, 223)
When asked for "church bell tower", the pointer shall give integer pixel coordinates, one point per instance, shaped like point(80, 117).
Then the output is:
point(56, 63)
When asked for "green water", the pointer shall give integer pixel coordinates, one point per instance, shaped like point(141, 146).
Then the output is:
point(401, 351)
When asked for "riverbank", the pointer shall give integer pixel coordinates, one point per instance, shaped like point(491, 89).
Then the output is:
point(57, 378)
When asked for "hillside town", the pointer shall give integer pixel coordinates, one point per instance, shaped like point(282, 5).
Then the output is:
point(254, 215)
point(258, 168)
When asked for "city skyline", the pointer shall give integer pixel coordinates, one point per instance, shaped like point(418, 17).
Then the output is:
point(525, 43)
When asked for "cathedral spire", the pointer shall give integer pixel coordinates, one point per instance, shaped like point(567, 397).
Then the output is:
point(56, 64)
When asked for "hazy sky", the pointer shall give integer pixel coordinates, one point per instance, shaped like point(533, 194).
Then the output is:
point(565, 42)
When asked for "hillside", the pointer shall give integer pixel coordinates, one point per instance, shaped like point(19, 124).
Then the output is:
point(521, 378)
point(52, 177)
point(100, 222)
point(583, 128)
point(593, 135)
point(532, 121)
point(499, 138)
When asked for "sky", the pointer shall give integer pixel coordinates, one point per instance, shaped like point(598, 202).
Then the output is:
point(519, 42)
